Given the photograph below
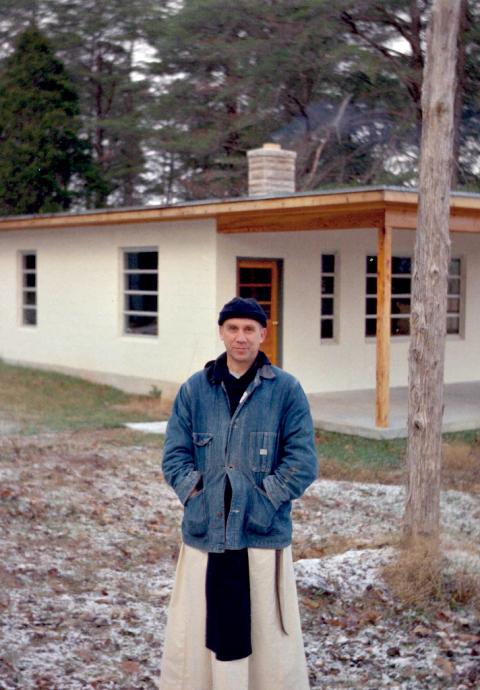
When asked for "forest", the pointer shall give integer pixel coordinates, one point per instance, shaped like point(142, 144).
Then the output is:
point(119, 103)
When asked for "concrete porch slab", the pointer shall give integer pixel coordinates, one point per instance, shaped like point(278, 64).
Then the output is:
point(353, 412)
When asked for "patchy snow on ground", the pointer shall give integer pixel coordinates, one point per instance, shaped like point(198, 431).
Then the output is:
point(89, 537)
point(349, 509)
point(357, 636)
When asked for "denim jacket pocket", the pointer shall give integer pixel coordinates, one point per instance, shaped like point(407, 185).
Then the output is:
point(261, 512)
point(195, 514)
point(261, 450)
point(203, 443)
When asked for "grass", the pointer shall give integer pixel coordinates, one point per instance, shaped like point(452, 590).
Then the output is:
point(349, 454)
point(353, 458)
point(422, 578)
point(35, 401)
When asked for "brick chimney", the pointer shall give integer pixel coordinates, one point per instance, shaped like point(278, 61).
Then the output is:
point(271, 170)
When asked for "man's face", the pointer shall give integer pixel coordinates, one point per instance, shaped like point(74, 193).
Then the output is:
point(242, 339)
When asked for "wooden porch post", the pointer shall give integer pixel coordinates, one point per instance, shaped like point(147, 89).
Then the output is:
point(384, 291)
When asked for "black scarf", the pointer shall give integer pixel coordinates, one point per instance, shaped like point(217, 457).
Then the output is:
point(228, 628)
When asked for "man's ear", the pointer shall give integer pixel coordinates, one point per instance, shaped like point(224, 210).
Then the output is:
point(220, 333)
point(263, 334)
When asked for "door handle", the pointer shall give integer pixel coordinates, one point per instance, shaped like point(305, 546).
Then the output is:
point(274, 323)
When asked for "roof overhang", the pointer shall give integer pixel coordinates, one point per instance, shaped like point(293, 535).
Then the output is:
point(337, 209)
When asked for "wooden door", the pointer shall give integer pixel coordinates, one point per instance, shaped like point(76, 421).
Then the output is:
point(259, 278)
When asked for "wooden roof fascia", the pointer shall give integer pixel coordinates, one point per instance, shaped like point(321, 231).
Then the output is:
point(464, 202)
point(192, 211)
point(401, 219)
point(101, 219)
point(406, 219)
point(469, 223)
point(336, 210)
point(295, 222)
point(303, 202)
point(458, 202)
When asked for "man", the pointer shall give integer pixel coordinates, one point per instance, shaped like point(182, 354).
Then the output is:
point(239, 448)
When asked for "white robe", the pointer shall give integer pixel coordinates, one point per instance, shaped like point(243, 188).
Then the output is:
point(278, 659)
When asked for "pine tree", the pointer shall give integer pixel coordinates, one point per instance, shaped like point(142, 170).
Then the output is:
point(233, 75)
point(390, 35)
point(237, 75)
point(100, 44)
point(44, 164)
point(338, 82)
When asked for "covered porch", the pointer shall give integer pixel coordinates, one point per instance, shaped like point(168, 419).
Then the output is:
point(353, 412)
point(380, 412)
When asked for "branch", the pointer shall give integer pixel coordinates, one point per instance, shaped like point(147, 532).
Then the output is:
point(386, 52)
point(350, 22)
point(334, 126)
point(302, 110)
point(411, 37)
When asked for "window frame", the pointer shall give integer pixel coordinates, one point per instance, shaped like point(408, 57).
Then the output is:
point(461, 296)
point(125, 291)
point(24, 290)
point(334, 296)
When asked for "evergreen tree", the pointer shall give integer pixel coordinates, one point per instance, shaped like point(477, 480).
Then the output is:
point(97, 41)
point(232, 75)
point(100, 44)
point(17, 16)
point(338, 82)
point(44, 165)
point(390, 35)
point(240, 74)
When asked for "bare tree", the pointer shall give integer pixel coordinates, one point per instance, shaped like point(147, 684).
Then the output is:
point(429, 292)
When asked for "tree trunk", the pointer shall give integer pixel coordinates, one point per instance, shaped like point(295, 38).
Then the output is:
point(430, 276)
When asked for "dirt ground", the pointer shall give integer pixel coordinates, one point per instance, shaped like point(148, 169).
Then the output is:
point(89, 535)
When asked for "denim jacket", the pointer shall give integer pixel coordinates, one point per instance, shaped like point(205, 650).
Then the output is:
point(266, 448)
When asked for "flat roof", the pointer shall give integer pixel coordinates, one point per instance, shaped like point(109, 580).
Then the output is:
point(355, 207)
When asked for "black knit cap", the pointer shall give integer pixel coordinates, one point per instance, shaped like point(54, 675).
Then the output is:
point(243, 308)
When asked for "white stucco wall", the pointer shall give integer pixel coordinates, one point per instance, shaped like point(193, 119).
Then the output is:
point(80, 304)
point(348, 363)
point(462, 359)
point(79, 277)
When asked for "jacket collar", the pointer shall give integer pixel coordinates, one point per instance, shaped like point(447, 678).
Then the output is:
point(214, 368)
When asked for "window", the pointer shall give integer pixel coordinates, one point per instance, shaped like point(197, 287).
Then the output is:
point(401, 290)
point(29, 288)
point(140, 287)
point(327, 299)
point(454, 296)
point(401, 296)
